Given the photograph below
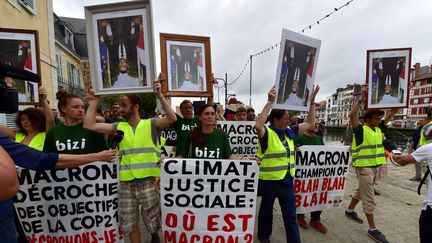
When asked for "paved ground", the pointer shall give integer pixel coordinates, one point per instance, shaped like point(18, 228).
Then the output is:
point(397, 213)
point(398, 209)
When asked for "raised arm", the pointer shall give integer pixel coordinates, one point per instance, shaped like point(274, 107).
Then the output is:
point(262, 118)
point(170, 117)
point(49, 116)
point(74, 160)
point(356, 108)
point(8, 179)
point(309, 123)
point(90, 117)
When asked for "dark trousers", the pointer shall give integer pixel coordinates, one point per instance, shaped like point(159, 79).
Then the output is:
point(425, 225)
point(315, 216)
point(283, 190)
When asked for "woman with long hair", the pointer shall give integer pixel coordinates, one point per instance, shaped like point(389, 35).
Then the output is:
point(32, 124)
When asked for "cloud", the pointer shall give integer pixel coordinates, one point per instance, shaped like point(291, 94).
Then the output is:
point(244, 27)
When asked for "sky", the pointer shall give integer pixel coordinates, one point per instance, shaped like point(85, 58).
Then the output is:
point(239, 28)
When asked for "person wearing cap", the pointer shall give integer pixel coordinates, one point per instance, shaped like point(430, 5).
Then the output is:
point(277, 168)
point(424, 153)
point(367, 155)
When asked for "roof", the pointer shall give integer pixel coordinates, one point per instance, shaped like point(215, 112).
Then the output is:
point(79, 25)
point(423, 76)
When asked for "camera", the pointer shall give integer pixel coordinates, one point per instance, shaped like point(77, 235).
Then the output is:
point(8, 92)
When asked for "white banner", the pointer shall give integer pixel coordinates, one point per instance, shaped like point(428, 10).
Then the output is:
point(320, 178)
point(208, 200)
point(70, 205)
point(242, 136)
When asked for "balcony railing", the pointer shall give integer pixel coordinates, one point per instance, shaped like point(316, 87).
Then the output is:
point(64, 84)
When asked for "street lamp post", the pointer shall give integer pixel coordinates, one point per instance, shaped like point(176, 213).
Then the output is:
point(225, 86)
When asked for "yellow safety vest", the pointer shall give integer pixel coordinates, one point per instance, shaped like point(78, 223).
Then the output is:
point(371, 151)
point(138, 154)
point(422, 136)
point(274, 164)
point(37, 142)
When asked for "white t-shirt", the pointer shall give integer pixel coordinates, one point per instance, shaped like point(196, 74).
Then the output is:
point(421, 154)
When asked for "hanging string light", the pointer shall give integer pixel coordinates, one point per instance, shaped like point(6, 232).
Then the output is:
point(278, 44)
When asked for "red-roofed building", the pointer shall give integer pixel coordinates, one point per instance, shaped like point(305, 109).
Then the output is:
point(421, 93)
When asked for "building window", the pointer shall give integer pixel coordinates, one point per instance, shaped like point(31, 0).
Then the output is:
point(429, 81)
point(69, 37)
point(415, 101)
point(417, 84)
point(30, 5)
point(426, 100)
point(416, 91)
point(71, 69)
point(59, 65)
point(414, 111)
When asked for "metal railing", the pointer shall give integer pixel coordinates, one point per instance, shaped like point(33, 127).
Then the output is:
point(71, 89)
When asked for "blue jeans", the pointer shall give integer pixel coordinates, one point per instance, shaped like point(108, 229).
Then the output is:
point(283, 190)
point(8, 233)
point(425, 225)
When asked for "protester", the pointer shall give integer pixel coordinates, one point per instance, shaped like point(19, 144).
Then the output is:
point(205, 140)
point(241, 114)
point(30, 158)
point(115, 114)
point(413, 147)
point(311, 137)
point(348, 135)
point(32, 124)
point(276, 150)
point(70, 137)
point(425, 221)
point(185, 124)
point(367, 155)
point(140, 153)
point(250, 114)
point(424, 138)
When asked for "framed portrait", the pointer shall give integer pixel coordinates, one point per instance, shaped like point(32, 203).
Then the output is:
point(20, 48)
point(186, 61)
point(387, 76)
point(295, 74)
point(120, 45)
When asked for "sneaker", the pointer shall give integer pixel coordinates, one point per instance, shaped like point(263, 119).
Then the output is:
point(377, 236)
point(316, 224)
point(415, 178)
point(354, 216)
point(302, 222)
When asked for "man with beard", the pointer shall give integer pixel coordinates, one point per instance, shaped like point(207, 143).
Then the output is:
point(139, 152)
point(185, 124)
